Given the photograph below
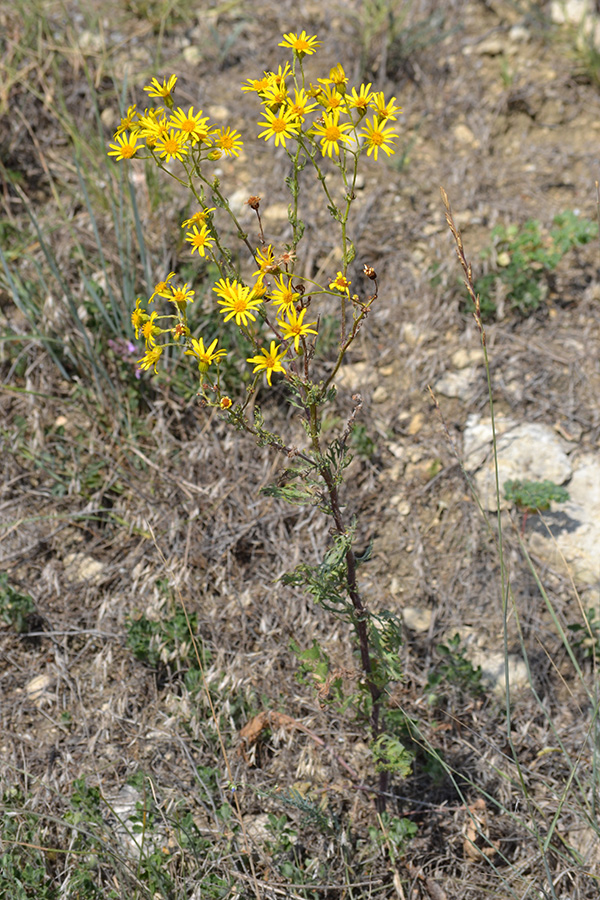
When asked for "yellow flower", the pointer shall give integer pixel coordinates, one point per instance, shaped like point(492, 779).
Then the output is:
point(199, 240)
point(283, 296)
point(149, 330)
point(377, 137)
point(332, 133)
point(156, 89)
point(301, 44)
point(163, 288)
point(199, 218)
point(192, 125)
point(138, 317)
point(294, 328)
point(330, 98)
point(171, 146)
point(205, 356)
point(280, 75)
point(258, 85)
point(275, 94)
point(226, 403)
point(180, 294)
point(269, 360)
point(228, 140)
point(337, 77)
point(126, 146)
point(385, 110)
point(265, 260)
point(128, 122)
point(360, 100)
point(238, 301)
point(340, 283)
point(152, 126)
point(259, 289)
point(150, 358)
point(281, 126)
point(302, 104)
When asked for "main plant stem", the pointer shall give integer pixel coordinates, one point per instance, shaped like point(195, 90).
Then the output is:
point(360, 618)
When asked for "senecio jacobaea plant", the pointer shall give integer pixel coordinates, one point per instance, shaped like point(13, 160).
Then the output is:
point(327, 126)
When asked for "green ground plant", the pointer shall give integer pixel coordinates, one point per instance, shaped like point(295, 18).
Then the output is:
point(522, 258)
point(16, 608)
point(454, 672)
point(533, 496)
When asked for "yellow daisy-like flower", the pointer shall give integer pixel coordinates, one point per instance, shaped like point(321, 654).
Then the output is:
point(237, 301)
point(226, 403)
point(258, 85)
point(126, 146)
point(265, 261)
point(138, 317)
point(128, 122)
point(259, 289)
point(199, 218)
point(280, 75)
point(275, 95)
point(283, 296)
point(192, 125)
point(338, 77)
point(152, 126)
point(205, 356)
point(199, 239)
point(180, 294)
point(269, 360)
point(228, 141)
point(149, 330)
point(171, 146)
point(281, 126)
point(301, 43)
point(164, 90)
point(340, 283)
point(360, 100)
point(294, 329)
point(302, 104)
point(163, 288)
point(330, 98)
point(150, 358)
point(385, 110)
point(332, 133)
point(378, 136)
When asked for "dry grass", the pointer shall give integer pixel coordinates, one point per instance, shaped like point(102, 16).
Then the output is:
point(110, 515)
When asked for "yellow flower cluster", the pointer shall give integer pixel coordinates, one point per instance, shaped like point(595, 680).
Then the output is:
point(337, 112)
point(327, 116)
point(172, 133)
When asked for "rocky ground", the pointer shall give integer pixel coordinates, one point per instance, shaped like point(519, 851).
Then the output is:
point(500, 108)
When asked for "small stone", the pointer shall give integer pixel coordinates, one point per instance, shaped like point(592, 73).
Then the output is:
point(38, 686)
point(79, 567)
point(192, 55)
point(417, 618)
point(465, 136)
point(464, 357)
point(380, 394)
point(458, 384)
point(416, 423)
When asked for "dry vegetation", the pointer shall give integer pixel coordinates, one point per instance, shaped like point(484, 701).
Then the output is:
point(124, 503)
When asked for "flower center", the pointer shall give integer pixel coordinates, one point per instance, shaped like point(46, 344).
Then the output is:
point(279, 125)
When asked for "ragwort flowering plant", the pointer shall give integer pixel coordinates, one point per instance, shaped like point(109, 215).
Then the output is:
point(323, 125)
